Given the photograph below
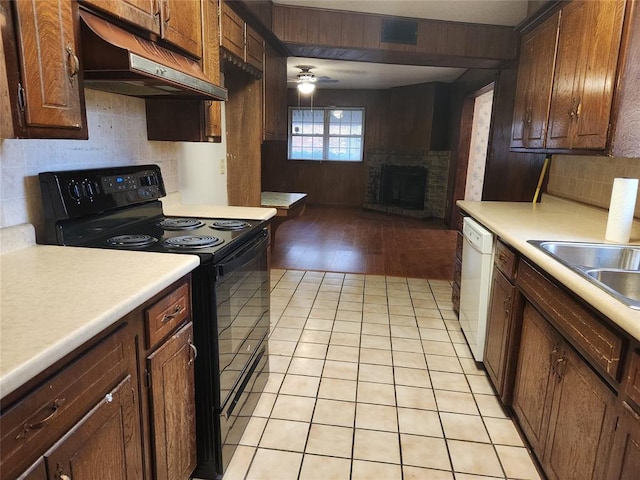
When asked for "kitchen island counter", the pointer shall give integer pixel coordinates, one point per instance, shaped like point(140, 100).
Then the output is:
point(172, 205)
point(557, 219)
point(53, 299)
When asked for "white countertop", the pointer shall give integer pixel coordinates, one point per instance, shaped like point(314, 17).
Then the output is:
point(172, 205)
point(281, 199)
point(53, 299)
point(557, 219)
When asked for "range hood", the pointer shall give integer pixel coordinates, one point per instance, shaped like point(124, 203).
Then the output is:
point(117, 61)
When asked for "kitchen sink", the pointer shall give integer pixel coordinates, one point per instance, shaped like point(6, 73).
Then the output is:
point(613, 268)
point(625, 282)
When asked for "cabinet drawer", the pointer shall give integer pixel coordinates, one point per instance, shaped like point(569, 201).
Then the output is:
point(506, 260)
point(589, 334)
point(632, 385)
point(166, 314)
point(37, 421)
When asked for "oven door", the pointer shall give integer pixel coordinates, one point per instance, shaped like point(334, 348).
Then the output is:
point(242, 311)
point(231, 323)
point(235, 415)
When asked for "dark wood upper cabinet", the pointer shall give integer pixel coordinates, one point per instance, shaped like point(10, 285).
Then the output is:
point(231, 31)
point(533, 91)
point(567, 78)
point(144, 14)
point(177, 22)
point(585, 74)
point(46, 91)
point(182, 25)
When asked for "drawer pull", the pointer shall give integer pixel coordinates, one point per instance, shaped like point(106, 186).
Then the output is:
point(195, 352)
point(170, 316)
point(29, 427)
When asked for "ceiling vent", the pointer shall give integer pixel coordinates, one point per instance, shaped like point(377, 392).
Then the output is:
point(399, 31)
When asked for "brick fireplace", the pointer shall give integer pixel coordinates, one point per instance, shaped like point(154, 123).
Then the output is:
point(413, 185)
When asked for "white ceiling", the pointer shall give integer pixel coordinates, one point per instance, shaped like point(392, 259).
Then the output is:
point(363, 75)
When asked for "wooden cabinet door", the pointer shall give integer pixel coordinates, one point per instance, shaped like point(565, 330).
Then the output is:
point(587, 59)
point(105, 444)
point(498, 330)
point(533, 91)
point(231, 31)
point(53, 97)
point(625, 454)
point(171, 369)
point(581, 423)
point(535, 382)
point(254, 48)
point(182, 25)
point(141, 13)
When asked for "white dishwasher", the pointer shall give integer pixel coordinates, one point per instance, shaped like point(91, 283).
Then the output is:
point(475, 285)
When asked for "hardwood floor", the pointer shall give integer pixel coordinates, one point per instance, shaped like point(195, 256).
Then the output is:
point(352, 240)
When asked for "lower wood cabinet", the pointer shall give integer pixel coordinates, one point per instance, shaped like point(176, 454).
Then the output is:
point(171, 377)
point(625, 454)
point(499, 326)
point(105, 443)
point(121, 408)
point(567, 413)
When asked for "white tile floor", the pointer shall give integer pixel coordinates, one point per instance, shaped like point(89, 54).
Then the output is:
point(372, 379)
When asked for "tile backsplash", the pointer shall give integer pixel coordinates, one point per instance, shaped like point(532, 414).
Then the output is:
point(589, 179)
point(117, 136)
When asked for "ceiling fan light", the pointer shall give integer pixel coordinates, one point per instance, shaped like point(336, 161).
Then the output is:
point(306, 87)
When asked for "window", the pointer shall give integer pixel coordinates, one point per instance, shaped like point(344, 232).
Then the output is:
point(326, 133)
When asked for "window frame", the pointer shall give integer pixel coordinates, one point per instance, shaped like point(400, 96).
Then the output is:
point(326, 136)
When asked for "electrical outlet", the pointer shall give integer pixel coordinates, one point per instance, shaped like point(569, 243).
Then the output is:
point(223, 166)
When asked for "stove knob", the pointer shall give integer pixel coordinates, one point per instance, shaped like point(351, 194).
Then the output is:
point(149, 180)
point(91, 188)
point(75, 190)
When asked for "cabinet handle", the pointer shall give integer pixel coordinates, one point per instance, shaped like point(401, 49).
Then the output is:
point(630, 409)
point(60, 475)
point(578, 108)
point(560, 366)
point(73, 63)
point(552, 358)
point(29, 427)
point(170, 316)
point(156, 10)
point(505, 305)
point(167, 11)
point(195, 352)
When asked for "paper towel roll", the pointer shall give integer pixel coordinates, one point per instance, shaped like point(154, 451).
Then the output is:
point(623, 203)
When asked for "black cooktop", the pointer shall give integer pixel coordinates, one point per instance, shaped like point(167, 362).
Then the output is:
point(119, 208)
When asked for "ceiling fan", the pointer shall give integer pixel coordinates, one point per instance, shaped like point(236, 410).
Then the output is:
point(306, 79)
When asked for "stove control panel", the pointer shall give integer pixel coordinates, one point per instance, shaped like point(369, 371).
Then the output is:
point(77, 193)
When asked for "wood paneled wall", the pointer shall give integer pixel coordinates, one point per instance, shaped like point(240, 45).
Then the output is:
point(313, 32)
point(244, 134)
point(328, 183)
point(421, 115)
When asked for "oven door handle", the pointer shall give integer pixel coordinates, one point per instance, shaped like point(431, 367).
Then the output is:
point(246, 254)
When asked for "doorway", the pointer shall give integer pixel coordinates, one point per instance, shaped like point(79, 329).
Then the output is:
point(479, 145)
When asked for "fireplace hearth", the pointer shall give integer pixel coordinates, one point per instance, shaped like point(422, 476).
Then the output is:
point(409, 184)
point(403, 186)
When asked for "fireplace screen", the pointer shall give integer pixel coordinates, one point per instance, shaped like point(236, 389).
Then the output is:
point(403, 186)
